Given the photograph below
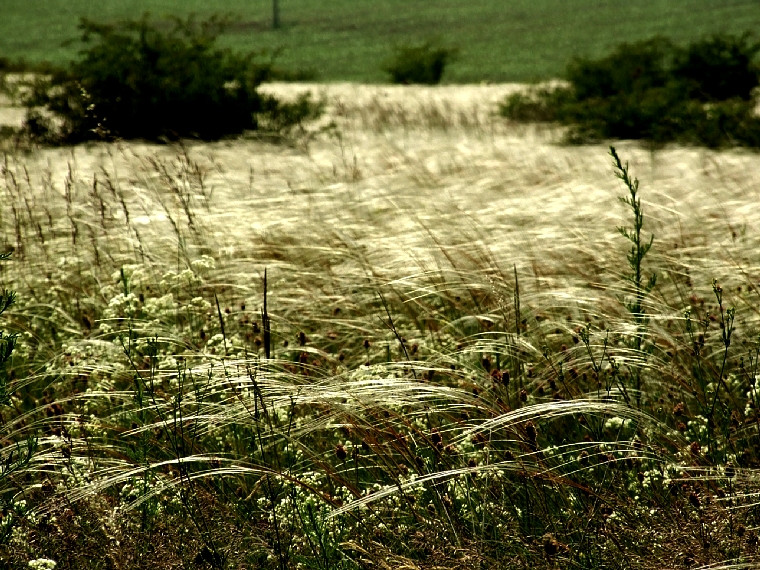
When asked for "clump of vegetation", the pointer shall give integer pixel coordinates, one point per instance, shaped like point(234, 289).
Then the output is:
point(704, 93)
point(423, 63)
point(157, 81)
point(718, 69)
point(15, 455)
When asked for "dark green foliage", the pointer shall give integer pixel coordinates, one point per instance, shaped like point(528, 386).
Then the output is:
point(658, 114)
point(654, 90)
point(140, 79)
point(423, 63)
point(7, 344)
point(283, 117)
point(719, 68)
point(631, 68)
point(8, 65)
point(540, 105)
point(15, 454)
point(729, 122)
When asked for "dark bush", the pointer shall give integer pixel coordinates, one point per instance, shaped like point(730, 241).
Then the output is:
point(283, 117)
point(138, 79)
point(719, 68)
point(658, 114)
point(9, 65)
point(424, 63)
point(654, 90)
point(732, 122)
point(631, 68)
point(539, 105)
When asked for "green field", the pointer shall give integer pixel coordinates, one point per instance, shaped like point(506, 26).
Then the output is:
point(519, 40)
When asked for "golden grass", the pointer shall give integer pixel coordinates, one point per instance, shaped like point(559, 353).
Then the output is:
point(400, 198)
point(406, 193)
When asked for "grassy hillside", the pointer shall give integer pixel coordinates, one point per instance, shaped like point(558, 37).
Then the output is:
point(519, 40)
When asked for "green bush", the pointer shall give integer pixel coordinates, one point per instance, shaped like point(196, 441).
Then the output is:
point(423, 63)
point(729, 122)
point(654, 90)
point(138, 79)
point(632, 68)
point(540, 105)
point(719, 68)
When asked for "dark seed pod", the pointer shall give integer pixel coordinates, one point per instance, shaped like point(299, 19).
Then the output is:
point(530, 431)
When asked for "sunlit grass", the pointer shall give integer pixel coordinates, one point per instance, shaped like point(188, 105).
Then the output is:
point(452, 380)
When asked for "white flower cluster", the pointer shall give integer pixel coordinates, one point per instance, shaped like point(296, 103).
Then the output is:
point(203, 265)
point(16, 511)
point(307, 515)
point(42, 564)
point(136, 275)
point(617, 424)
point(173, 281)
point(122, 306)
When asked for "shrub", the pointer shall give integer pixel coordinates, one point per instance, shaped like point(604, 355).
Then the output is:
point(654, 90)
point(631, 68)
point(138, 79)
point(423, 63)
point(9, 65)
point(283, 117)
point(729, 122)
point(657, 114)
point(719, 68)
point(540, 105)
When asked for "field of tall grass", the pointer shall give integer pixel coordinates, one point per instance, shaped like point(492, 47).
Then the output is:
point(414, 335)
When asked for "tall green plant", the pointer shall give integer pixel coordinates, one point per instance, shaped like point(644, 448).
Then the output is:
point(7, 343)
point(641, 286)
point(14, 455)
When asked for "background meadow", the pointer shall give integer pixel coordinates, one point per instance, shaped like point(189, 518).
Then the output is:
point(348, 40)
